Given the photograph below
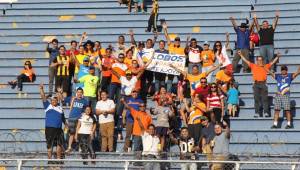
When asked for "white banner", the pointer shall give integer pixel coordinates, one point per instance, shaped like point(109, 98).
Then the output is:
point(161, 63)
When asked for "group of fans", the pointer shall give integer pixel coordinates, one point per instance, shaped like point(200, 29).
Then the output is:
point(107, 89)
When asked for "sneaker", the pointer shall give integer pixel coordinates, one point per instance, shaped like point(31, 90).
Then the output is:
point(256, 115)
point(289, 127)
point(274, 127)
point(69, 150)
point(19, 95)
point(267, 115)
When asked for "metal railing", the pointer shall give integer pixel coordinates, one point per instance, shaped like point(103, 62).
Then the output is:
point(238, 165)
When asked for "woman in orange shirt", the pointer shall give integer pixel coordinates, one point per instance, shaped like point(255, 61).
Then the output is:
point(27, 75)
point(128, 58)
point(106, 65)
point(135, 69)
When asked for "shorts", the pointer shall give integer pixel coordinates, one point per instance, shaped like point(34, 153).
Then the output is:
point(54, 137)
point(232, 106)
point(62, 82)
point(162, 131)
point(72, 126)
point(282, 101)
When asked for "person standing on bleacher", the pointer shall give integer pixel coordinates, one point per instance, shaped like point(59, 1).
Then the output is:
point(266, 37)
point(260, 88)
point(282, 98)
point(53, 53)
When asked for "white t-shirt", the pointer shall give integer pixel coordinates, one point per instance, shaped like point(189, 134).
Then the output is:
point(194, 55)
point(223, 57)
point(106, 105)
point(150, 144)
point(127, 85)
point(87, 123)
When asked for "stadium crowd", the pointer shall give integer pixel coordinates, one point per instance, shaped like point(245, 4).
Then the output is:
point(107, 89)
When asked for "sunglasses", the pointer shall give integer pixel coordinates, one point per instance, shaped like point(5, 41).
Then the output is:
point(177, 40)
point(203, 82)
point(218, 45)
point(213, 86)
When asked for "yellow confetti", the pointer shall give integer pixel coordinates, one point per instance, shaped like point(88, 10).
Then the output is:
point(196, 29)
point(65, 17)
point(42, 131)
point(14, 130)
point(14, 25)
point(23, 44)
point(48, 38)
point(47, 55)
point(172, 36)
point(91, 16)
point(69, 36)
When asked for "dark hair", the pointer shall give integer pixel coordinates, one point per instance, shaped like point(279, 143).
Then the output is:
point(200, 97)
point(79, 89)
point(259, 56)
point(162, 41)
point(193, 39)
point(91, 43)
point(265, 21)
point(195, 66)
point(151, 125)
point(212, 85)
point(97, 42)
point(73, 41)
point(128, 51)
point(62, 46)
point(81, 46)
point(121, 54)
point(203, 78)
point(184, 128)
point(149, 40)
point(54, 40)
point(29, 64)
point(121, 36)
point(215, 46)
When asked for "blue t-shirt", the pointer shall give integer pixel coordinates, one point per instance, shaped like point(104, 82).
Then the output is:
point(134, 103)
point(79, 106)
point(233, 96)
point(83, 70)
point(243, 40)
point(284, 82)
point(53, 53)
point(54, 115)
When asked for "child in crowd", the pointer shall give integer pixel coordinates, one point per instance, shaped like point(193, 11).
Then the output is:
point(232, 99)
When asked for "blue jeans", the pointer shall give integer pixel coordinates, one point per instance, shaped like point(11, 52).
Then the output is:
point(170, 82)
point(137, 143)
point(267, 52)
point(115, 95)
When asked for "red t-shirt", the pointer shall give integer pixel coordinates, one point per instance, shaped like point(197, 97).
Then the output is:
point(203, 91)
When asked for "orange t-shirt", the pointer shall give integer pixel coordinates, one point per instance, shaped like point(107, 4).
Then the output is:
point(221, 76)
point(145, 119)
point(106, 66)
point(138, 84)
point(29, 73)
point(176, 50)
point(259, 73)
point(195, 80)
point(207, 57)
point(119, 68)
point(194, 117)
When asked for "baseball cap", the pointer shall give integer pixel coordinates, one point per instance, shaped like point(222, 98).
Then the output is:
point(177, 39)
point(86, 59)
point(203, 118)
point(206, 43)
point(92, 68)
point(244, 25)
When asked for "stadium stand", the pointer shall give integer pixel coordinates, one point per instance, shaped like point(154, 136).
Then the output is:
point(26, 26)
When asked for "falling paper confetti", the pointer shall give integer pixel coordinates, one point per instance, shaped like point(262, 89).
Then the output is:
point(196, 29)
point(91, 16)
point(47, 55)
point(14, 25)
point(65, 17)
point(23, 44)
point(48, 38)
